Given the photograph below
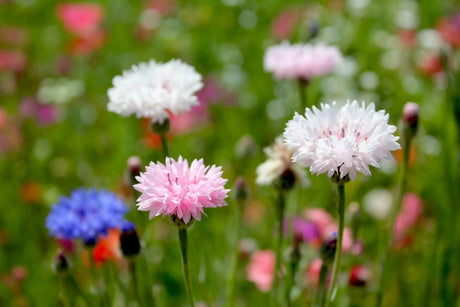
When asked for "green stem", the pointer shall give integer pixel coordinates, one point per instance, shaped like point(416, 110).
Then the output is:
point(397, 207)
point(292, 269)
point(279, 243)
point(80, 292)
point(64, 293)
point(132, 271)
point(321, 299)
point(338, 251)
point(164, 144)
point(302, 85)
point(234, 262)
point(185, 264)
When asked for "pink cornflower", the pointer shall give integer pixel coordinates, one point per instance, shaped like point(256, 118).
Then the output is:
point(301, 61)
point(80, 19)
point(179, 190)
point(341, 140)
point(261, 269)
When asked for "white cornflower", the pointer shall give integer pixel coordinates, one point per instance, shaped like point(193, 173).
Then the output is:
point(153, 89)
point(341, 140)
point(279, 160)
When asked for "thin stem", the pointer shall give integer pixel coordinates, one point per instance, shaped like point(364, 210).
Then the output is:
point(302, 85)
point(397, 207)
point(321, 299)
point(164, 144)
point(279, 243)
point(185, 266)
point(338, 251)
point(80, 292)
point(292, 269)
point(234, 261)
point(132, 271)
point(64, 293)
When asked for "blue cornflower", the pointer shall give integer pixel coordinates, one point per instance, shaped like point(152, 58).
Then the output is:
point(85, 215)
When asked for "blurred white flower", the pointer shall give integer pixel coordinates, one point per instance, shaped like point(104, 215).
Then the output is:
point(279, 160)
point(378, 203)
point(153, 89)
point(59, 91)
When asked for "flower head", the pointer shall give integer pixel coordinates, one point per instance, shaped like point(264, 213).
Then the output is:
point(279, 160)
point(80, 18)
point(301, 61)
point(86, 215)
point(341, 140)
point(180, 190)
point(153, 89)
point(260, 270)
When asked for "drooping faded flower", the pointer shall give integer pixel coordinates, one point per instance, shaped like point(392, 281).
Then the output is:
point(180, 190)
point(279, 160)
point(301, 61)
point(341, 140)
point(86, 215)
point(153, 89)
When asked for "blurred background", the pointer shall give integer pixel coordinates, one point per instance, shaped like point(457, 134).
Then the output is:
point(57, 135)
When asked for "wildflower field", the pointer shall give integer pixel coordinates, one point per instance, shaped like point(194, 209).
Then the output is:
point(230, 153)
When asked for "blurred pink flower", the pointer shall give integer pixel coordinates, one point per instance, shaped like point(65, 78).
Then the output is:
point(450, 31)
point(429, 64)
point(261, 269)
point(321, 219)
point(284, 23)
point(303, 230)
point(10, 134)
point(301, 61)
point(80, 19)
point(44, 114)
point(13, 36)
point(408, 37)
point(408, 215)
point(327, 226)
point(12, 60)
point(313, 271)
point(163, 7)
point(180, 190)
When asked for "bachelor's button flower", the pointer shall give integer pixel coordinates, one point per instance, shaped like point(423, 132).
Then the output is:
point(341, 140)
point(152, 89)
point(180, 190)
point(85, 215)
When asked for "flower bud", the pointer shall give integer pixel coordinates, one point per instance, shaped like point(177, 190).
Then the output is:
point(410, 117)
point(313, 29)
point(129, 240)
point(133, 164)
point(327, 249)
point(359, 276)
point(246, 147)
point(240, 190)
point(60, 263)
point(160, 128)
point(90, 242)
point(287, 179)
